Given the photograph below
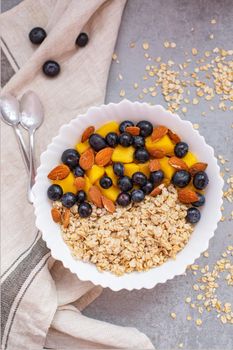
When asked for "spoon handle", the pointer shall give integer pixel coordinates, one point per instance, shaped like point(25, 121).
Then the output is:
point(22, 147)
point(32, 171)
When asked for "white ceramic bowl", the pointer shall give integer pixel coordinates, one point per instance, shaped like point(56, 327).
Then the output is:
point(68, 136)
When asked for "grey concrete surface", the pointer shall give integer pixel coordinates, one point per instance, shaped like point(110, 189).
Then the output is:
point(156, 21)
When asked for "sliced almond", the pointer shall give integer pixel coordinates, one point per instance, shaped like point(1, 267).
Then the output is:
point(187, 196)
point(95, 196)
point(156, 191)
point(60, 172)
point(103, 157)
point(154, 165)
point(157, 152)
point(87, 133)
point(108, 204)
point(56, 215)
point(133, 130)
point(178, 163)
point(197, 167)
point(159, 132)
point(87, 158)
point(66, 218)
point(174, 137)
point(79, 183)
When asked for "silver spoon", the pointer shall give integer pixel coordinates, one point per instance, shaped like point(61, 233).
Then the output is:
point(9, 107)
point(32, 116)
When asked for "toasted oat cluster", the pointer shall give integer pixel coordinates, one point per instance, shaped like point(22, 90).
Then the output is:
point(135, 238)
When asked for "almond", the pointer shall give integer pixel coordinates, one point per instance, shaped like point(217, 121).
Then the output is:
point(156, 191)
point(159, 132)
point(56, 215)
point(197, 167)
point(60, 172)
point(154, 165)
point(79, 182)
point(157, 152)
point(86, 160)
point(87, 133)
point(66, 218)
point(95, 196)
point(174, 137)
point(108, 204)
point(187, 196)
point(133, 130)
point(178, 163)
point(103, 157)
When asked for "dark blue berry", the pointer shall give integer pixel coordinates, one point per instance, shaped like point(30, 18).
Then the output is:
point(112, 139)
point(141, 155)
point(82, 40)
point(84, 210)
point(54, 192)
point(200, 180)
point(123, 199)
point(138, 141)
point(78, 171)
point(125, 184)
point(105, 182)
point(125, 139)
point(70, 157)
point(51, 68)
point(118, 169)
point(193, 215)
point(181, 178)
point(148, 187)
point(97, 142)
point(68, 199)
point(156, 177)
point(146, 128)
point(81, 196)
point(200, 201)
point(137, 196)
point(139, 178)
point(181, 149)
point(124, 125)
point(37, 35)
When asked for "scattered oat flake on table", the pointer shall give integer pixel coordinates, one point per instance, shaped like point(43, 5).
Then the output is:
point(135, 85)
point(196, 126)
point(173, 45)
point(166, 44)
point(194, 51)
point(132, 44)
point(173, 315)
point(114, 56)
point(120, 76)
point(198, 322)
point(145, 45)
point(213, 21)
point(122, 93)
point(211, 36)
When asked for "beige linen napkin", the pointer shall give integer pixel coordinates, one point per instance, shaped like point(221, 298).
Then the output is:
point(41, 300)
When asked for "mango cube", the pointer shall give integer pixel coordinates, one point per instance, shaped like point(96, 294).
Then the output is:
point(190, 159)
point(167, 168)
point(106, 128)
point(95, 173)
point(67, 184)
point(123, 154)
point(144, 168)
point(111, 192)
point(109, 171)
point(165, 143)
point(82, 146)
point(130, 169)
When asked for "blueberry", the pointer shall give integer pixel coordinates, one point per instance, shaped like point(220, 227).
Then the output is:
point(112, 139)
point(146, 128)
point(181, 178)
point(37, 35)
point(78, 171)
point(181, 149)
point(118, 169)
point(156, 177)
point(193, 215)
point(138, 141)
point(148, 187)
point(125, 184)
point(105, 182)
point(81, 196)
point(51, 68)
point(124, 125)
point(84, 210)
point(141, 155)
point(200, 201)
point(123, 199)
point(200, 180)
point(125, 139)
point(82, 40)
point(54, 192)
point(70, 157)
point(139, 178)
point(137, 196)
point(68, 199)
point(97, 142)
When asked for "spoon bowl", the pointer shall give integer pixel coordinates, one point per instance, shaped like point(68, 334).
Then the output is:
point(10, 109)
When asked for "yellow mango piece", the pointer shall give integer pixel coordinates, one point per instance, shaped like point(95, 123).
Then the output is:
point(144, 168)
point(87, 185)
point(190, 159)
point(106, 128)
point(123, 154)
point(109, 171)
point(165, 143)
point(130, 169)
point(67, 184)
point(167, 168)
point(95, 173)
point(111, 192)
point(82, 146)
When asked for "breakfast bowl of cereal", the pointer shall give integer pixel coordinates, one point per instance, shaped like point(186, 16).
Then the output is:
point(128, 195)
